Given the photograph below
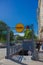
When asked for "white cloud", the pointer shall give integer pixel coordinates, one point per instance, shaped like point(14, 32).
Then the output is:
point(21, 34)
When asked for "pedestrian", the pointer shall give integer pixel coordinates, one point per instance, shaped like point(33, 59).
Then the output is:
point(38, 46)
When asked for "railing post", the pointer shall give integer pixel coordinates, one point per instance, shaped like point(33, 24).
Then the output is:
point(35, 52)
point(8, 43)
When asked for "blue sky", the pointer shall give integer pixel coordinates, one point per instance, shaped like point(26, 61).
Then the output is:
point(19, 11)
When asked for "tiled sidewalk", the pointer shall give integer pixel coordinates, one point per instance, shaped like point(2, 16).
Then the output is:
point(26, 60)
point(9, 62)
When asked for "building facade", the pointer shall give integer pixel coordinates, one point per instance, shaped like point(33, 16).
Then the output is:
point(40, 19)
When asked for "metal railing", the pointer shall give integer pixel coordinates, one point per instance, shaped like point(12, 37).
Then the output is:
point(14, 49)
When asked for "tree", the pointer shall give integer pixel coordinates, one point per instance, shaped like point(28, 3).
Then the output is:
point(3, 27)
point(3, 32)
point(19, 37)
point(35, 37)
point(28, 34)
point(11, 36)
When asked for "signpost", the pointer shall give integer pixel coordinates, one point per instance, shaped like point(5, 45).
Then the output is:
point(19, 27)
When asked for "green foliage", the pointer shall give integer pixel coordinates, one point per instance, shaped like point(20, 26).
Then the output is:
point(3, 26)
point(11, 36)
point(28, 34)
point(3, 32)
point(35, 37)
point(19, 37)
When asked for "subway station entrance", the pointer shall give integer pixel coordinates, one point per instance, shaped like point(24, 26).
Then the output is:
point(25, 48)
point(16, 50)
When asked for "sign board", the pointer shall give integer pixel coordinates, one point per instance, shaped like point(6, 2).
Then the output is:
point(19, 27)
